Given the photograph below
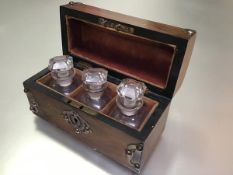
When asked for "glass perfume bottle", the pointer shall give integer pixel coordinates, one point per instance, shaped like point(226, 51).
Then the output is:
point(63, 74)
point(94, 92)
point(129, 99)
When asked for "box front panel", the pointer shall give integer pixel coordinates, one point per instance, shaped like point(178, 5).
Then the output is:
point(84, 127)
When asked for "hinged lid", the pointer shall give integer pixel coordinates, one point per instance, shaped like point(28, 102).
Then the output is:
point(154, 53)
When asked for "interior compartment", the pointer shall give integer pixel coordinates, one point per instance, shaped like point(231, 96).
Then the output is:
point(109, 93)
point(136, 121)
point(137, 57)
point(108, 106)
point(50, 83)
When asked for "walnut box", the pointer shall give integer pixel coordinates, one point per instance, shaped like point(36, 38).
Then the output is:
point(154, 53)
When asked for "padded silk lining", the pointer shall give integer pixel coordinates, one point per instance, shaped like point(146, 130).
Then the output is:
point(137, 57)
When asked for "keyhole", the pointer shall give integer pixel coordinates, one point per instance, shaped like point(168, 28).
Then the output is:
point(75, 120)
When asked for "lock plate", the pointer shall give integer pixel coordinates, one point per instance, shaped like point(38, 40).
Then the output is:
point(79, 124)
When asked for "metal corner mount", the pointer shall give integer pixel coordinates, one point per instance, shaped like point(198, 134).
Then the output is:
point(80, 125)
point(190, 32)
point(34, 107)
point(134, 156)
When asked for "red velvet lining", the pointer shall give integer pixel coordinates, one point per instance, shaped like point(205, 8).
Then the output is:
point(137, 57)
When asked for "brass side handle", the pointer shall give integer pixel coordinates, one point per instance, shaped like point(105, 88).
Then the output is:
point(134, 156)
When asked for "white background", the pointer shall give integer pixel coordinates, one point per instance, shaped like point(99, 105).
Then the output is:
point(198, 137)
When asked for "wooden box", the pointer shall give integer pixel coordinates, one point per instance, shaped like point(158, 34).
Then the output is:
point(154, 53)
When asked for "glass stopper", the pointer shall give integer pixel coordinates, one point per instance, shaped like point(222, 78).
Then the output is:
point(130, 93)
point(94, 82)
point(62, 70)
